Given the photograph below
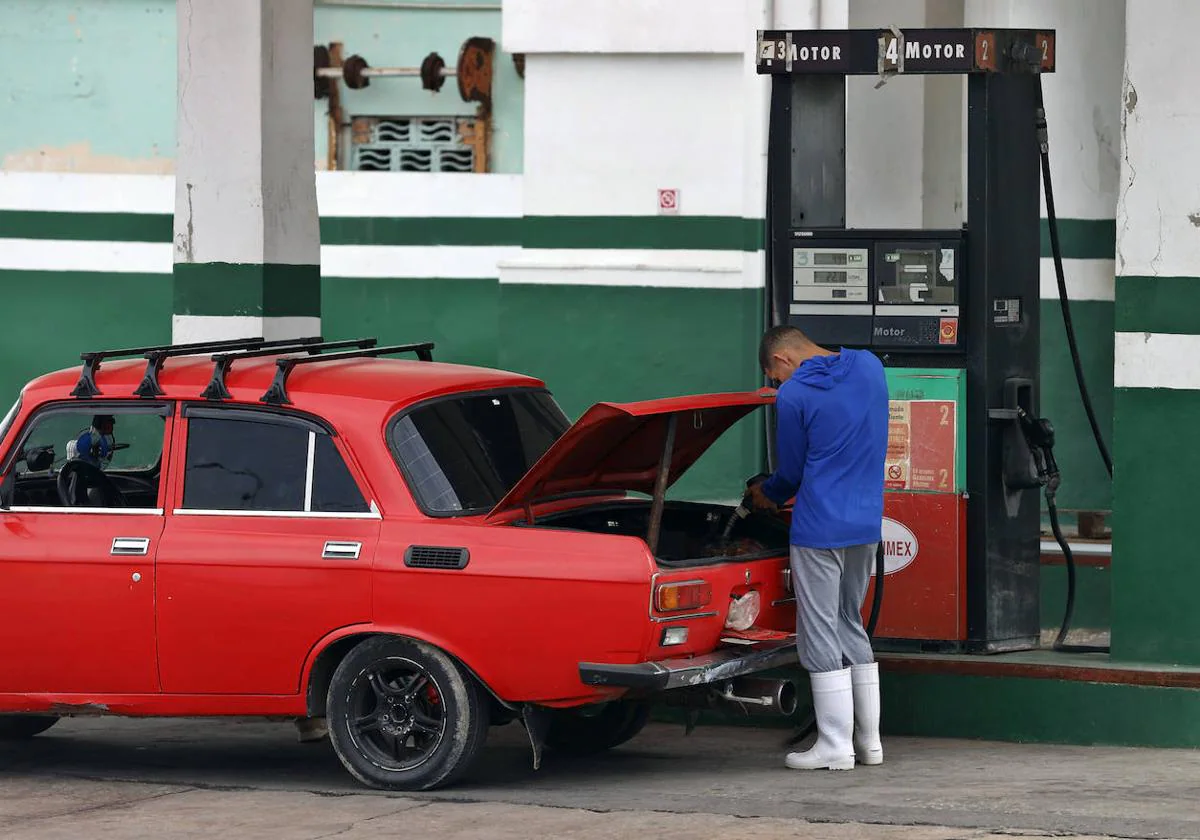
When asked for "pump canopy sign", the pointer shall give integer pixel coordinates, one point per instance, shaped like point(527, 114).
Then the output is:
point(886, 51)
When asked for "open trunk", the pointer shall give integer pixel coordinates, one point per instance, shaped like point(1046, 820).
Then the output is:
point(691, 533)
point(644, 448)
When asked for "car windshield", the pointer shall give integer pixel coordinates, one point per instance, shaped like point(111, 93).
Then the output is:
point(8, 419)
point(462, 455)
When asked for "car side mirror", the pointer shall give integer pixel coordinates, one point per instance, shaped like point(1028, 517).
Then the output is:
point(6, 487)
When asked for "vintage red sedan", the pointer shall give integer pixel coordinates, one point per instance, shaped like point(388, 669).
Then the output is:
point(410, 550)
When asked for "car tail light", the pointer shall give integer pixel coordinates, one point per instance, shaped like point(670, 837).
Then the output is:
point(684, 595)
point(743, 610)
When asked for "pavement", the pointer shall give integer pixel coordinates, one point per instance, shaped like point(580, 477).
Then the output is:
point(120, 779)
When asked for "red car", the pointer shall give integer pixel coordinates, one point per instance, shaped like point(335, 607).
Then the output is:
point(413, 551)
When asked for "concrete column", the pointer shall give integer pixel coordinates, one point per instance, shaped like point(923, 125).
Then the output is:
point(1157, 369)
point(247, 241)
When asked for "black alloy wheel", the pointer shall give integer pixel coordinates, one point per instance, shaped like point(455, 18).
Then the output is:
point(404, 716)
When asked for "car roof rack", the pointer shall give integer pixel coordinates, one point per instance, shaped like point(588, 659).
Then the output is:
point(277, 393)
point(86, 386)
point(149, 386)
point(216, 390)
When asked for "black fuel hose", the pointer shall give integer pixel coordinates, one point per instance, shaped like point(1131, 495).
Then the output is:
point(1065, 306)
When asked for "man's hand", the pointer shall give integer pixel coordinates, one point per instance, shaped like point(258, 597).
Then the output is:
point(759, 499)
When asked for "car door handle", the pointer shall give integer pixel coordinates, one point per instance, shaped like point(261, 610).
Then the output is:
point(341, 550)
point(130, 545)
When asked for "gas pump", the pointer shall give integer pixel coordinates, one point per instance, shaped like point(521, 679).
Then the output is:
point(953, 315)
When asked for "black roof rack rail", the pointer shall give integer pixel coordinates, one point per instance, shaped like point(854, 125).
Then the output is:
point(216, 390)
point(149, 386)
point(86, 386)
point(277, 393)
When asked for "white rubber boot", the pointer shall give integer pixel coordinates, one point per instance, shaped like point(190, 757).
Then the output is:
point(865, 681)
point(833, 703)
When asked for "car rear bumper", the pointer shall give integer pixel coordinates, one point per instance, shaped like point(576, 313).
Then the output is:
point(686, 671)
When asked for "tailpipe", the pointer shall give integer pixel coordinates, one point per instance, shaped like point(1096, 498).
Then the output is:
point(760, 696)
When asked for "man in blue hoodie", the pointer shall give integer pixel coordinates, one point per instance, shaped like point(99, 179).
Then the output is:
point(831, 433)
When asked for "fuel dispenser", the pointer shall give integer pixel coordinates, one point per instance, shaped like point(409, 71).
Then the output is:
point(953, 315)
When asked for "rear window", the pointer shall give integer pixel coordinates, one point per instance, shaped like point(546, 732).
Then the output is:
point(462, 455)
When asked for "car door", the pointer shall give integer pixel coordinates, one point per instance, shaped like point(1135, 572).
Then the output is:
point(268, 548)
point(77, 581)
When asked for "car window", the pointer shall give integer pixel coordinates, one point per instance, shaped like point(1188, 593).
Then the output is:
point(134, 444)
point(464, 454)
point(253, 464)
point(122, 444)
point(334, 490)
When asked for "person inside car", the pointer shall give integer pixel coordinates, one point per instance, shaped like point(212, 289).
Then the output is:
point(96, 444)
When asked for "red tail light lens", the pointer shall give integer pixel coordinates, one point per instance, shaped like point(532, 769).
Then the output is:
point(684, 595)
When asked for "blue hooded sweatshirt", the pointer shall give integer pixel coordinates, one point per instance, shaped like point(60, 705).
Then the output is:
point(832, 434)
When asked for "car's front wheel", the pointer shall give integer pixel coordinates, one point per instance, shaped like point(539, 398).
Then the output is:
point(596, 729)
point(404, 716)
point(20, 727)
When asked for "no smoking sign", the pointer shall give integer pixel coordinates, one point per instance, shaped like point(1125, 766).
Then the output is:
point(668, 201)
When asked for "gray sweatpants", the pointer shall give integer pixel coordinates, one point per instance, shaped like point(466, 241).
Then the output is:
point(830, 586)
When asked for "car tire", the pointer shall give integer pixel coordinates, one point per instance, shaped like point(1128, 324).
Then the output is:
point(391, 691)
point(20, 727)
point(589, 731)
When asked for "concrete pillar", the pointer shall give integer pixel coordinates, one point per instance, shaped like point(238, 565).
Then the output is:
point(1157, 370)
point(247, 241)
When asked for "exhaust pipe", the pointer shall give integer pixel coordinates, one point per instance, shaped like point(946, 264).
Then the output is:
point(758, 696)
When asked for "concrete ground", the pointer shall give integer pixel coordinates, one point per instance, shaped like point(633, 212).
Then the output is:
point(114, 778)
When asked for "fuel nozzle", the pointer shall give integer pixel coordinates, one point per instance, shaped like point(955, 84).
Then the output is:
point(743, 509)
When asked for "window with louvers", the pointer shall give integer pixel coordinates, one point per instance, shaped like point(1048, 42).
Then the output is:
point(411, 145)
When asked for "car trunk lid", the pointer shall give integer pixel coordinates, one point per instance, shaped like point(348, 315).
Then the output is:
point(631, 447)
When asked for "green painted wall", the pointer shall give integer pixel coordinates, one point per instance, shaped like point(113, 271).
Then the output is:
point(1085, 482)
point(460, 316)
point(1155, 614)
point(635, 343)
point(51, 317)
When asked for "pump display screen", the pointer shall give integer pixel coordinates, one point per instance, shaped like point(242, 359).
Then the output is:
point(838, 277)
point(830, 258)
point(910, 275)
point(881, 289)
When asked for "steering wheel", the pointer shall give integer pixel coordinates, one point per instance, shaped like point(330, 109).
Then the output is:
point(76, 477)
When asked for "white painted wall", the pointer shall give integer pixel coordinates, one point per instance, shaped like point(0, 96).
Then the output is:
point(1158, 208)
point(1158, 214)
point(625, 26)
point(603, 133)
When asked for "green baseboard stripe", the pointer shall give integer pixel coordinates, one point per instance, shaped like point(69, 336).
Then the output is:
point(1158, 304)
point(1084, 711)
point(94, 227)
point(269, 291)
point(442, 230)
point(708, 233)
point(1082, 239)
point(1039, 710)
